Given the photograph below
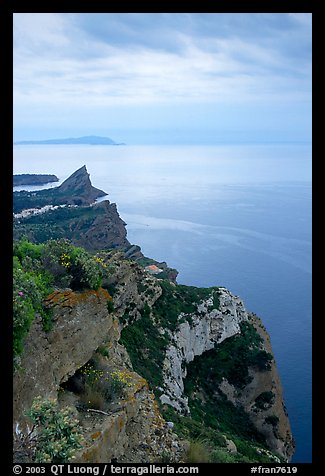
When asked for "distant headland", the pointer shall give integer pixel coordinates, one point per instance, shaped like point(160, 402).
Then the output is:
point(33, 179)
point(89, 140)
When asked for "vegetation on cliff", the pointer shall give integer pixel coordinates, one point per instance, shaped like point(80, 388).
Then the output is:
point(38, 269)
point(142, 339)
point(213, 416)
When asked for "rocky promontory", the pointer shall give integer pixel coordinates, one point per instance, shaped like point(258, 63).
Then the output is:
point(76, 190)
point(33, 179)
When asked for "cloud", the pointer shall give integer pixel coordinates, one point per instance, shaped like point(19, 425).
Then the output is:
point(85, 64)
point(55, 60)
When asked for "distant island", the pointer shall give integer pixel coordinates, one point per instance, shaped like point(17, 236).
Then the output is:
point(89, 140)
point(33, 179)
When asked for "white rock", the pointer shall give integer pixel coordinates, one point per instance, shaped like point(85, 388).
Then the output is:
point(193, 339)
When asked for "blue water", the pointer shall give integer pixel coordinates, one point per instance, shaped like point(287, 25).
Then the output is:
point(236, 216)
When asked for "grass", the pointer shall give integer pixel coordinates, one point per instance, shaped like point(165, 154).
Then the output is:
point(198, 452)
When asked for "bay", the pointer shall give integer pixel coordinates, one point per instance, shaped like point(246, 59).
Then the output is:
point(232, 215)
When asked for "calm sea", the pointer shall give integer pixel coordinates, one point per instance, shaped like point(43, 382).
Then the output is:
point(236, 216)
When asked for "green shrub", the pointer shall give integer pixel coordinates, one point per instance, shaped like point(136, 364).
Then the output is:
point(29, 291)
point(262, 360)
point(220, 455)
point(56, 260)
point(264, 400)
point(72, 266)
point(101, 386)
point(198, 452)
point(103, 350)
point(58, 432)
point(86, 272)
point(272, 420)
point(178, 299)
point(145, 346)
point(110, 306)
point(25, 248)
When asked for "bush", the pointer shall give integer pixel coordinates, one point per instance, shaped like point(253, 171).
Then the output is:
point(39, 267)
point(272, 420)
point(58, 432)
point(264, 400)
point(56, 260)
point(100, 386)
point(72, 266)
point(29, 291)
point(262, 360)
point(110, 306)
point(85, 270)
point(198, 452)
point(25, 248)
point(222, 456)
point(103, 350)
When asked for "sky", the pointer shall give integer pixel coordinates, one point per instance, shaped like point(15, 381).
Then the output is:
point(163, 78)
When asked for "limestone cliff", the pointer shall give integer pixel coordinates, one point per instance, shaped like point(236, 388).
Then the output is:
point(132, 429)
point(263, 400)
point(207, 328)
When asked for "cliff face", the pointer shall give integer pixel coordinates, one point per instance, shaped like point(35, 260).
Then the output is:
point(133, 429)
point(80, 323)
point(263, 410)
point(105, 230)
point(207, 328)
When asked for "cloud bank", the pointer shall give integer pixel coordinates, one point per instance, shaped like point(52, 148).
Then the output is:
point(94, 63)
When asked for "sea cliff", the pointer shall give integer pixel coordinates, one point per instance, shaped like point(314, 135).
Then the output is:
point(191, 363)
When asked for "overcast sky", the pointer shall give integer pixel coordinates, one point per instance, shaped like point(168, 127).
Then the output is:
point(163, 78)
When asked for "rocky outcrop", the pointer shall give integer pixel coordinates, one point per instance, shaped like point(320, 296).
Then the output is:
point(207, 328)
point(74, 214)
point(81, 323)
point(79, 185)
point(134, 430)
point(135, 433)
point(76, 190)
point(96, 227)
